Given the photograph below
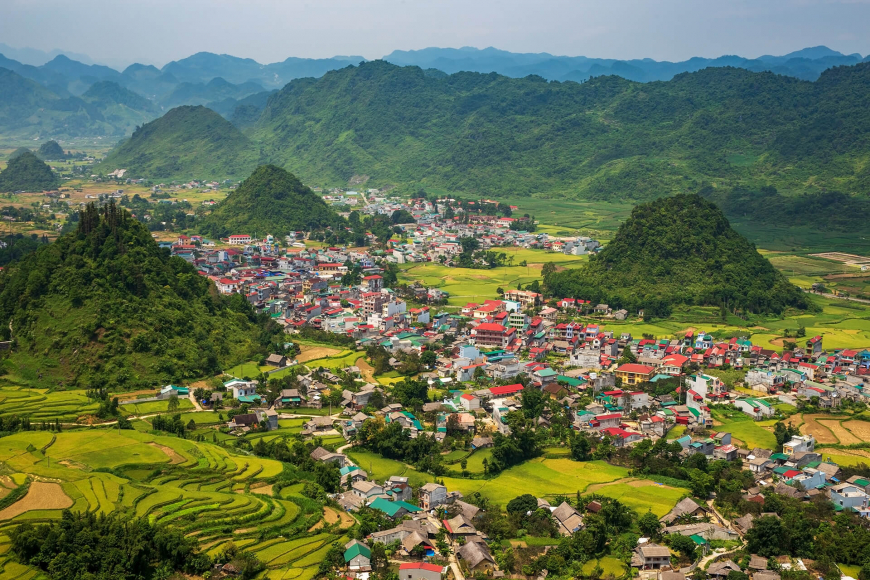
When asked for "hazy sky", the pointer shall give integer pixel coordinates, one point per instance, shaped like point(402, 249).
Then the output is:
point(156, 31)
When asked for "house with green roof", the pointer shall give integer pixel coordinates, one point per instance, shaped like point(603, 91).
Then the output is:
point(357, 556)
point(393, 509)
point(758, 409)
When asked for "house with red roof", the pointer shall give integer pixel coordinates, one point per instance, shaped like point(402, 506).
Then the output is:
point(621, 437)
point(506, 390)
point(421, 571)
point(492, 334)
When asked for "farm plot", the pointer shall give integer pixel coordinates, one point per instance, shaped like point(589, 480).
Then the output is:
point(812, 427)
point(860, 429)
point(40, 496)
point(311, 352)
point(844, 436)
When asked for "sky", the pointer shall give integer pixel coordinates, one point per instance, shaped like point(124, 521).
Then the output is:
point(119, 32)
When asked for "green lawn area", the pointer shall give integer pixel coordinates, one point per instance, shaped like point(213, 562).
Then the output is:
point(380, 468)
point(849, 570)
point(676, 432)
point(202, 418)
point(473, 285)
point(540, 477)
point(741, 426)
point(345, 359)
point(659, 499)
point(306, 411)
point(153, 407)
point(249, 369)
point(609, 565)
point(475, 462)
point(291, 425)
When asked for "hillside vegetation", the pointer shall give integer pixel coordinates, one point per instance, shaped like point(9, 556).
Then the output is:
point(26, 172)
point(678, 250)
point(270, 201)
point(186, 142)
point(607, 138)
point(104, 306)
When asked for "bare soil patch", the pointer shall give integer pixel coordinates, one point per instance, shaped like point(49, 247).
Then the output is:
point(777, 342)
point(40, 496)
point(861, 429)
point(366, 370)
point(812, 427)
point(314, 352)
point(263, 490)
point(846, 437)
point(174, 457)
point(134, 394)
point(795, 420)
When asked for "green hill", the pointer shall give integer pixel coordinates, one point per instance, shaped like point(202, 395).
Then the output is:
point(26, 172)
point(50, 150)
point(104, 306)
point(185, 143)
point(270, 201)
point(607, 138)
point(678, 250)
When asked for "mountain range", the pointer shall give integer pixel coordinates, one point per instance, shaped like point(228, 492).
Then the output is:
point(226, 83)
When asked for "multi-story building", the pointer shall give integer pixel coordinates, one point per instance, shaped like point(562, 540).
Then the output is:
point(492, 334)
point(633, 374)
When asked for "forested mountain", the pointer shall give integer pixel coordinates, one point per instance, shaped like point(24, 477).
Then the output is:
point(104, 303)
point(26, 172)
point(607, 138)
point(270, 201)
point(806, 64)
point(206, 78)
point(678, 250)
point(187, 142)
point(29, 110)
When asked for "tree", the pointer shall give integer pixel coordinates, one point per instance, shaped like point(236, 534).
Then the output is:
point(580, 447)
point(682, 544)
point(379, 558)
point(864, 574)
point(173, 403)
point(737, 575)
point(429, 358)
point(522, 504)
point(649, 525)
point(766, 537)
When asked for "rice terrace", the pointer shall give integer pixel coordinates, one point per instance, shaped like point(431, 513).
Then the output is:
point(208, 492)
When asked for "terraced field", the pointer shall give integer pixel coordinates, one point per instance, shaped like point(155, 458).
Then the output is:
point(40, 405)
point(203, 489)
point(835, 430)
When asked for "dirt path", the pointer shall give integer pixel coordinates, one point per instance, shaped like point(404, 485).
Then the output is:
point(40, 496)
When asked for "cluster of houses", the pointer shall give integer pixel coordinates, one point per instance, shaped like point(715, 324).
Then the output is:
point(420, 516)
